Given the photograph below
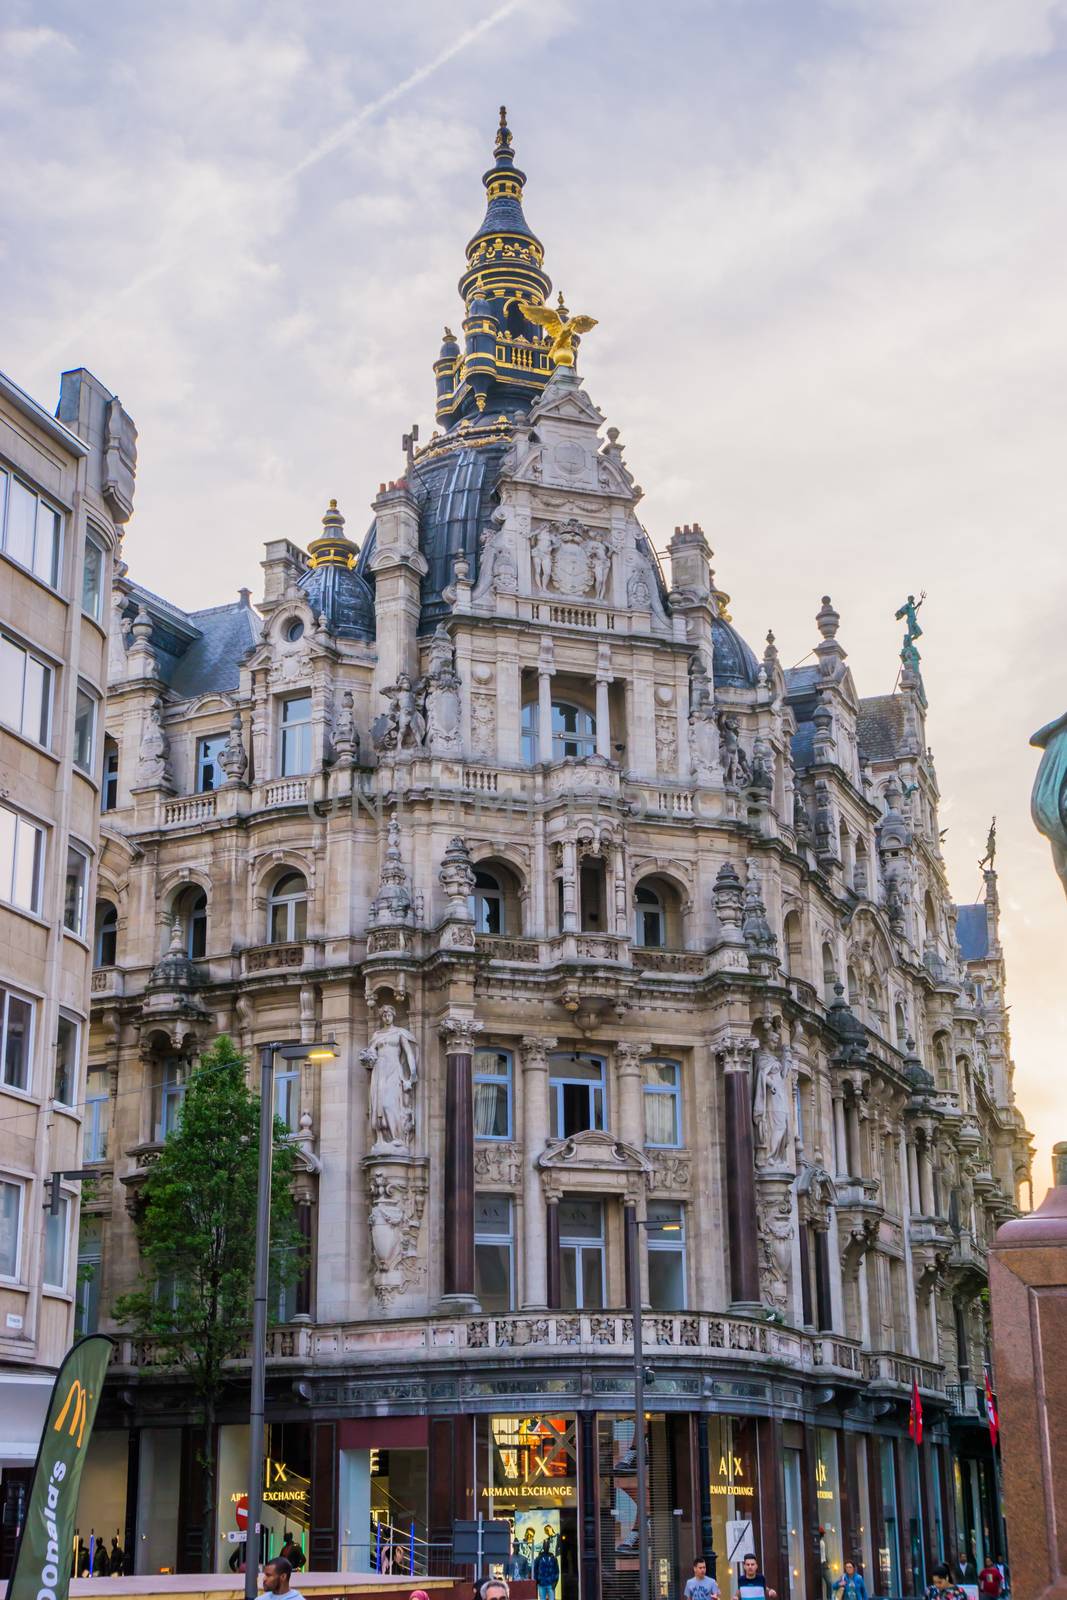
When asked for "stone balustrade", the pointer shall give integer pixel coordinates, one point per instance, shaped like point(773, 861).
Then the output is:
point(895, 1371)
point(284, 792)
point(189, 810)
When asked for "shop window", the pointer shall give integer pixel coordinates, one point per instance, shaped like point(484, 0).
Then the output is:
point(75, 891)
point(296, 736)
point(65, 1078)
point(93, 570)
point(287, 909)
point(287, 1093)
point(581, 1255)
point(56, 1229)
point(16, 1039)
point(576, 1087)
point(665, 1239)
point(663, 1102)
point(109, 789)
point(106, 938)
point(25, 691)
point(487, 904)
point(21, 860)
point(168, 1092)
point(889, 1553)
point(85, 706)
point(32, 529)
point(209, 775)
point(11, 1195)
point(492, 1094)
point(96, 1121)
point(493, 1253)
point(87, 1287)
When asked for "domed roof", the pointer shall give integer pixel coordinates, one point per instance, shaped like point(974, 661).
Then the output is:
point(333, 585)
point(733, 663)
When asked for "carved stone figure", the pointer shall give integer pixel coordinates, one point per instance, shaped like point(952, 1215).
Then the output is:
point(505, 579)
point(762, 773)
point(735, 767)
point(571, 558)
point(405, 720)
point(386, 1220)
point(153, 758)
point(542, 549)
point(704, 752)
point(600, 559)
point(234, 758)
point(442, 686)
point(776, 1250)
point(345, 737)
point(771, 1096)
point(754, 925)
point(391, 1057)
point(483, 725)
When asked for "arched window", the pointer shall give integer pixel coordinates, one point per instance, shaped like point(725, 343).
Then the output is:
point(487, 904)
point(941, 1063)
point(854, 995)
point(930, 917)
point(900, 1022)
point(829, 974)
point(190, 908)
point(651, 921)
point(573, 732)
point(106, 936)
point(287, 909)
point(793, 944)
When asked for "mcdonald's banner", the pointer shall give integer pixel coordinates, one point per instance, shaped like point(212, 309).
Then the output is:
point(46, 1544)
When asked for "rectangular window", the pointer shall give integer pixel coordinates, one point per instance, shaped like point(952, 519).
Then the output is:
point(109, 794)
point(665, 1236)
point(32, 530)
point(663, 1103)
point(296, 736)
point(209, 775)
point(167, 1096)
point(93, 580)
point(576, 1084)
point(492, 1094)
point(87, 1287)
point(84, 730)
point(96, 1123)
point(581, 1255)
point(493, 1253)
point(287, 1094)
point(65, 1082)
point(25, 691)
point(55, 1245)
point(75, 891)
point(21, 860)
point(10, 1229)
point(16, 1039)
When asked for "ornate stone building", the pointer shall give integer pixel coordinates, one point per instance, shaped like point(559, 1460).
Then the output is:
point(604, 911)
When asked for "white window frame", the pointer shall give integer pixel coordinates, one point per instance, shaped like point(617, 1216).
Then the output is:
point(497, 1080)
point(297, 728)
point(580, 1244)
point(75, 1062)
point(43, 741)
point(63, 1219)
point(495, 1240)
point(557, 1081)
point(83, 1287)
point(171, 1097)
point(204, 767)
point(482, 899)
point(641, 914)
point(289, 902)
point(94, 543)
point(287, 1094)
point(669, 1244)
point(75, 849)
point(84, 691)
point(7, 478)
point(109, 779)
point(7, 992)
point(20, 1185)
point(649, 1091)
point(92, 1133)
point(7, 889)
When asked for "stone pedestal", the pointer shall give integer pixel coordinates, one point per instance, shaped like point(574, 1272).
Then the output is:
point(1028, 1286)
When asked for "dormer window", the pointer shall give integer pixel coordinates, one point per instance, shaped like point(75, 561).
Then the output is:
point(294, 630)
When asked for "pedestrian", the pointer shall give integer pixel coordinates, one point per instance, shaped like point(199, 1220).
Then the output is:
point(941, 1586)
point(851, 1583)
point(700, 1586)
point(118, 1558)
point(991, 1580)
point(489, 1589)
point(752, 1585)
point(292, 1552)
point(276, 1575)
point(966, 1571)
point(546, 1572)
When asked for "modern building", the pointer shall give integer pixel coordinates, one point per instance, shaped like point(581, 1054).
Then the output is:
point(66, 489)
point(612, 918)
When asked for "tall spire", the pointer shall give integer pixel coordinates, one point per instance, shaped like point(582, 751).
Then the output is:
point(502, 359)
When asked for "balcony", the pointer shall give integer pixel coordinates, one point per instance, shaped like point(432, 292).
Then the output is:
point(837, 1355)
point(672, 963)
point(274, 958)
point(190, 810)
point(895, 1372)
point(107, 981)
point(967, 1401)
point(499, 947)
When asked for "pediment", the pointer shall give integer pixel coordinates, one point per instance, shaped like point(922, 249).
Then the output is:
point(564, 400)
point(594, 1152)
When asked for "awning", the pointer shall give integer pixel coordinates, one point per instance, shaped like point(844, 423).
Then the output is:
point(24, 1398)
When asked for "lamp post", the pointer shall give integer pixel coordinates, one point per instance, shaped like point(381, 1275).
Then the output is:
point(633, 1258)
point(258, 1377)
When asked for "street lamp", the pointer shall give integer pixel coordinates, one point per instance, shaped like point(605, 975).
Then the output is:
point(633, 1258)
point(320, 1051)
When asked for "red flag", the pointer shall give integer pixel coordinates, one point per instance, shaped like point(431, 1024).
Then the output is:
point(991, 1412)
point(915, 1416)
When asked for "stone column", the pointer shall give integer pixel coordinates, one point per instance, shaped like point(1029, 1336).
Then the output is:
point(840, 1136)
point(628, 1058)
point(736, 1051)
point(553, 1274)
point(926, 1181)
point(534, 1051)
point(459, 1034)
point(570, 886)
point(544, 714)
point(603, 718)
point(914, 1197)
point(824, 1319)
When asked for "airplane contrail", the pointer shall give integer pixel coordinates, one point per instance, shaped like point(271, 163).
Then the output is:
point(317, 153)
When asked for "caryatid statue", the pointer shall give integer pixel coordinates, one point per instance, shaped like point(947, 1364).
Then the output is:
point(392, 1059)
point(771, 1094)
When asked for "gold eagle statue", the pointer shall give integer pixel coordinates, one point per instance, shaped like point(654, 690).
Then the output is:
point(561, 328)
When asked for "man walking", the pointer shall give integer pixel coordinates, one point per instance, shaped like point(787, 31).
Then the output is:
point(752, 1585)
point(700, 1586)
point(276, 1575)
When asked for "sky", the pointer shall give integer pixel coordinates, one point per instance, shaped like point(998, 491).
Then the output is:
point(825, 243)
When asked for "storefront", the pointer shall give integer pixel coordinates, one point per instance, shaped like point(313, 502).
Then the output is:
point(286, 1490)
point(531, 1483)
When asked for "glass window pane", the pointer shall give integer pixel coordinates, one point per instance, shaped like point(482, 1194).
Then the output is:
point(12, 682)
point(36, 700)
point(10, 1217)
point(74, 891)
point(66, 1074)
point(25, 888)
point(93, 580)
point(492, 1267)
point(490, 1111)
point(84, 719)
point(18, 1020)
point(592, 1279)
point(46, 547)
point(568, 1278)
point(97, 1121)
point(21, 520)
point(492, 1214)
point(300, 919)
point(8, 828)
point(666, 1280)
point(55, 1246)
point(581, 1219)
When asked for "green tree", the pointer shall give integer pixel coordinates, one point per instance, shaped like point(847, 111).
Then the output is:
point(197, 1235)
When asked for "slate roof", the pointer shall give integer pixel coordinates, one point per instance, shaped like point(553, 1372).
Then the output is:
point(203, 650)
point(880, 727)
point(972, 931)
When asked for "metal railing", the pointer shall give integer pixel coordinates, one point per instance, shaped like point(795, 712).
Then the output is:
point(396, 1548)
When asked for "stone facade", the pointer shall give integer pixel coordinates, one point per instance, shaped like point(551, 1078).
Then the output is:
point(66, 489)
point(604, 912)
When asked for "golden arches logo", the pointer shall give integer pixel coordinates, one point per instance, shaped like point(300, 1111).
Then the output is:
point(77, 1403)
